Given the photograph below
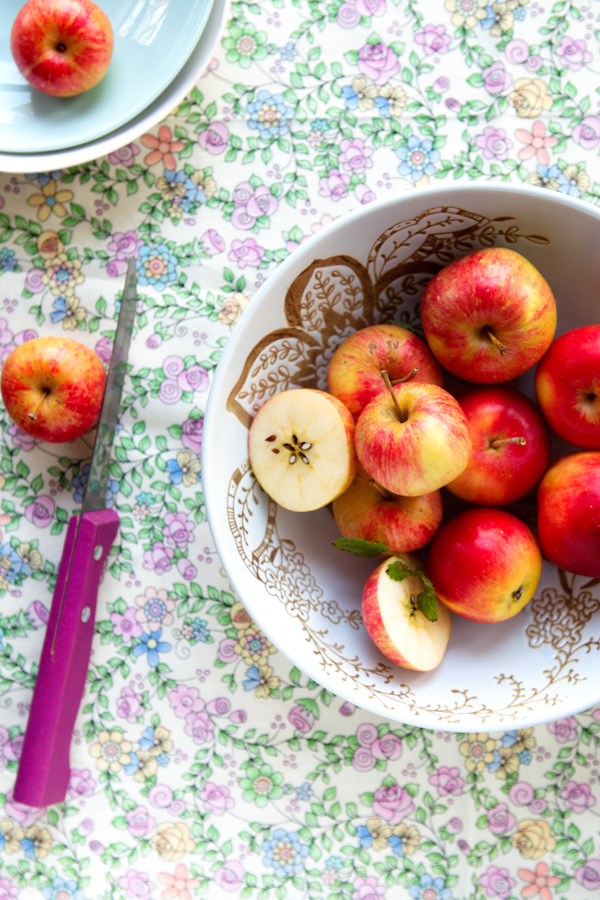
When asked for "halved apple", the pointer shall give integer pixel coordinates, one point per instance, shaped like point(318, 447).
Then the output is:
point(396, 625)
point(301, 448)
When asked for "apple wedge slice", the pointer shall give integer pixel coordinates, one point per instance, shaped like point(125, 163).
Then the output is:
point(396, 625)
point(301, 448)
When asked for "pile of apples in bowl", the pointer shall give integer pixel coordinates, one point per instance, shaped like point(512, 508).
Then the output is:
point(420, 384)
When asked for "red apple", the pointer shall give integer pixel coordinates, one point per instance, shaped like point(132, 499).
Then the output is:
point(413, 439)
point(485, 564)
point(489, 316)
point(567, 385)
point(511, 446)
point(404, 524)
point(354, 371)
point(301, 448)
point(569, 513)
point(395, 624)
point(62, 47)
point(53, 388)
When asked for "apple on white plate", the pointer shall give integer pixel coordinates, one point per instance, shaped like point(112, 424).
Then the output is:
point(301, 448)
point(62, 47)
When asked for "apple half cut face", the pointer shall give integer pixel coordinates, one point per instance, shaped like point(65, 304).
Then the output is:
point(397, 626)
point(301, 448)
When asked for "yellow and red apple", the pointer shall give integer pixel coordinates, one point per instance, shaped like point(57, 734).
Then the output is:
point(569, 513)
point(485, 564)
point(62, 47)
point(567, 385)
point(413, 439)
point(53, 388)
point(404, 524)
point(488, 316)
point(510, 446)
point(354, 371)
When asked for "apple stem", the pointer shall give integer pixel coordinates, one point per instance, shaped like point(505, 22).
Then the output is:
point(388, 385)
point(501, 347)
point(499, 442)
point(382, 490)
point(33, 415)
point(406, 378)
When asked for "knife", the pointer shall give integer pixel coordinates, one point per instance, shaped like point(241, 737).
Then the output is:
point(44, 769)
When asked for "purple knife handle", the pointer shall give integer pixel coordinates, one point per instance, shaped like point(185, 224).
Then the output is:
point(44, 769)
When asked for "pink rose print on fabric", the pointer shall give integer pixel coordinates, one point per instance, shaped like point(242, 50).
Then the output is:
point(246, 253)
point(355, 156)
point(191, 435)
point(392, 803)
point(447, 781)
point(368, 889)
point(178, 530)
point(125, 625)
point(573, 54)
point(334, 185)
point(125, 156)
point(216, 798)
point(211, 242)
point(139, 822)
point(370, 7)
point(433, 39)
point(129, 705)
point(158, 558)
point(136, 885)
point(500, 819)
point(41, 512)
point(588, 876)
point(494, 143)
point(378, 62)
point(496, 79)
point(301, 718)
point(8, 891)
point(564, 730)
point(578, 797)
point(230, 876)
point(497, 883)
point(250, 204)
point(347, 15)
point(81, 783)
point(387, 747)
point(199, 727)
point(124, 244)
point(185, 700)
point(587, 133)
point(214, 138)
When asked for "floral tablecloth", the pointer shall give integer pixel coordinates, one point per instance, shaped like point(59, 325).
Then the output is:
point(203, 762)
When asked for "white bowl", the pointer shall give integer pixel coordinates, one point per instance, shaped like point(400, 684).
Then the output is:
point(370, 266)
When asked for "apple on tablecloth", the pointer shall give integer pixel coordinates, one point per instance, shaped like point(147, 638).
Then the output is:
point(488, 316)
point(53, 388)
point(62, 47)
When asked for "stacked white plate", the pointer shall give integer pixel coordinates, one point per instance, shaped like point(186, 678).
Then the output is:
point(161, 48)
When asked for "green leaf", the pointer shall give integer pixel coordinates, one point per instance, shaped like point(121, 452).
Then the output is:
point(360, 547)
point(426, 599)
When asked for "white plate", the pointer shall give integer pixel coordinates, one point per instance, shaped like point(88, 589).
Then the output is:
point(136, 124)
point(305, 595)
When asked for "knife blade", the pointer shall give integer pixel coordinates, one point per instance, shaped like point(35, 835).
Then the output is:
point(44, 769)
